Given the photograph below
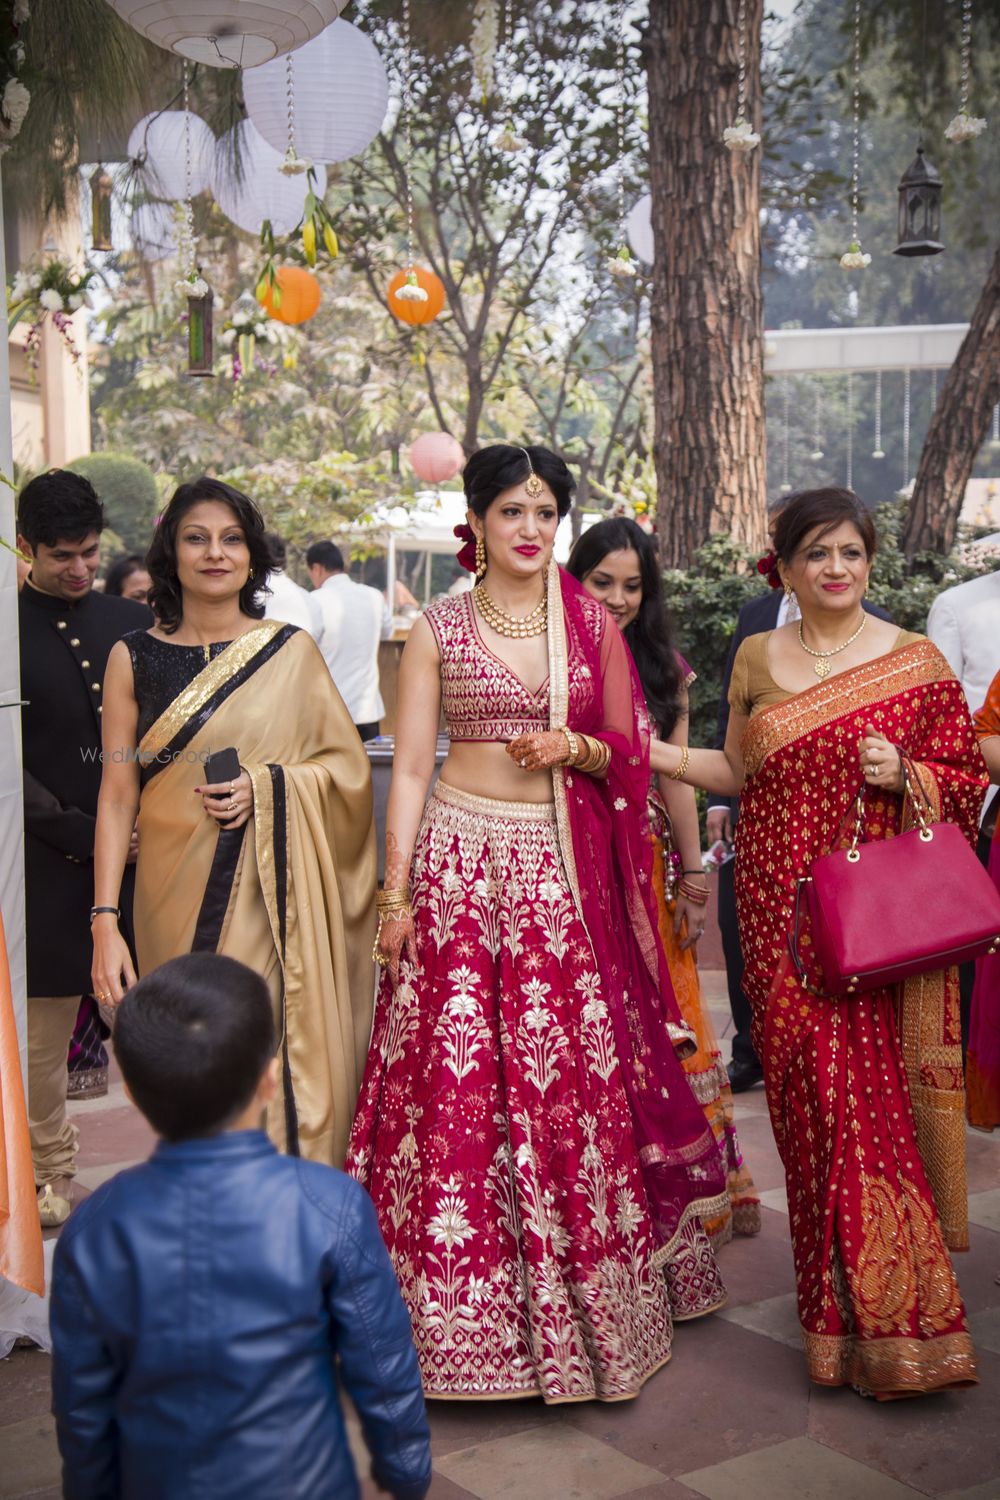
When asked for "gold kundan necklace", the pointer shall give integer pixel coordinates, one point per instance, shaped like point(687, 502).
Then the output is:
point(509, 625)
point(821, 664)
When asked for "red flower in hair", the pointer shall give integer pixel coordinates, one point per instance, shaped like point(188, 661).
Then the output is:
point(467, 556)
point(767, 567)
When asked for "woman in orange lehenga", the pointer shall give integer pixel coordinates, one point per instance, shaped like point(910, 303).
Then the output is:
point(865, 1092)
point(982, 1073)
point(616, 561)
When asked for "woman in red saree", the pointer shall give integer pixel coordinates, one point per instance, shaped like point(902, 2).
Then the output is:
point(865, 1093)
point(982, 1071)
point(537, 1161)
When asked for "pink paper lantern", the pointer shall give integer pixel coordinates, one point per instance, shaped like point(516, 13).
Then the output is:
point(437, 456)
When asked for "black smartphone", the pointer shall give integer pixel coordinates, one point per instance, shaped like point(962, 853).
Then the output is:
point(221, 767)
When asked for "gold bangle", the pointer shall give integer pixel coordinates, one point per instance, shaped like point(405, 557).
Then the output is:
point(681, 770)
point(573, 745)
point(389, 900)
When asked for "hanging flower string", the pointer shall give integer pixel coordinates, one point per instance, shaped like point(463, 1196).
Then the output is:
point(483, 45)
point(52, 291)
point(507, 138)
point(620, 264)
point(411, 290)
point(293, 164)
point(191, 284)
point(817, 452)
point(14, 97)
point(741, 135)
point(963, 126)
point(878, 451)
point(854, 258)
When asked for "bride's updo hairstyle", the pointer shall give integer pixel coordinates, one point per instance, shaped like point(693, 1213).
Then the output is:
point(803, 512)
point(501, 466)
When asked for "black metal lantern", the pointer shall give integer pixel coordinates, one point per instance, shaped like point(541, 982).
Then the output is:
point(919, 208)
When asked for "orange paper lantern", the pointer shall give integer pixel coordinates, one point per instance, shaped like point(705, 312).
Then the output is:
point(300, 296)
point(416, 313)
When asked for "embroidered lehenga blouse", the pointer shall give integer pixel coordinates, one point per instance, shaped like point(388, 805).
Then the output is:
point(543, 1222)
point(865, 1092)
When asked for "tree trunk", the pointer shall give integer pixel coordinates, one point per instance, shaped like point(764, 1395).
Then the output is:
point(958, 428)
point(707, 308)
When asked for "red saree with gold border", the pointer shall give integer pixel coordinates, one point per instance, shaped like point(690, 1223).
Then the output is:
point(865, 1093)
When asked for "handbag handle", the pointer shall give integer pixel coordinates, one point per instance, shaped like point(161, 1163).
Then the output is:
point(919, 804)
point(793, 941)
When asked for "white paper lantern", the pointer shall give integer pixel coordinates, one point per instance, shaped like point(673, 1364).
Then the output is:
point(340, 91)
point(158, 143)
point(639, 228)
point(229, 33)
point(263, 191)
point(153, 231)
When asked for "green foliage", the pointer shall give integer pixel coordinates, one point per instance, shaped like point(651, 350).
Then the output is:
point(128, 491)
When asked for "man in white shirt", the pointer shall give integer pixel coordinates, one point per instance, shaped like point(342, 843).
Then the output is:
point(288, 600)
point(964, 624)
point(353, 620)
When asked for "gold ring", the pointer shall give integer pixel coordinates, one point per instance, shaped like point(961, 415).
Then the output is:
point(230, 789)
point(232, 807)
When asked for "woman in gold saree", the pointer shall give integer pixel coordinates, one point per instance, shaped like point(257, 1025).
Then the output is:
point(865, 1091)
point(276, 867)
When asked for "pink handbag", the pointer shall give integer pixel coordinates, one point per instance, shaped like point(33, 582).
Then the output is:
point(885, 910)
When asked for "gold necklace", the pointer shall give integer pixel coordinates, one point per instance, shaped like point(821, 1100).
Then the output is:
point(509, 625)
point(821, 666)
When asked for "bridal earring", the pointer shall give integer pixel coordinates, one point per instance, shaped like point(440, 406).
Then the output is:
point(789, 591)
point(480, 556)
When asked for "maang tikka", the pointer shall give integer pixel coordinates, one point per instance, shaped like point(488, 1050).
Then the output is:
point(533, 486)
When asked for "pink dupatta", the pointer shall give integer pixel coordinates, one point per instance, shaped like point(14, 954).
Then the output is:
point(604, 840)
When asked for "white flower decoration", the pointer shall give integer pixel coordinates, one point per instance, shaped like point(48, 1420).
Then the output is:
point(292, 165)
point(75, 301)
point(816, 455)
point(25, 285)
point(51, 300)
point(854, 258)
point(964, 127)
point(741, 136)
point(194, 286)
point(621, 264)
point(14, 105)
point(411, 290)
point(878, 453)
point(509, 140)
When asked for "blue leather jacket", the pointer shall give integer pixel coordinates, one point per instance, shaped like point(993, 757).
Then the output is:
point(203, 1305)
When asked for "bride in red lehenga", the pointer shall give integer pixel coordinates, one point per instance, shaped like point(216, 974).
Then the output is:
point(865, 1091)
point(537, 1159)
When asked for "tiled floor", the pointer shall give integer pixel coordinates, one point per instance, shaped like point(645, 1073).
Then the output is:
point(732, 1417)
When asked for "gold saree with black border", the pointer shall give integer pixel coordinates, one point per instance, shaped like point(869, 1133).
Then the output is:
point(292, 893)
point(865, 1092)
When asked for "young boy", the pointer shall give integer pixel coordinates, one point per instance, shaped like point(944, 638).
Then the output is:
point(204, 1303)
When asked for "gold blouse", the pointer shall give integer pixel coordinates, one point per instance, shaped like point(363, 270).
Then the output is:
point(752, 687)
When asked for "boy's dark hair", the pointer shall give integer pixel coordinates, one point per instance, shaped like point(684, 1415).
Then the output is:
point(328, 555)
point(58, 506)
point(193, 1039)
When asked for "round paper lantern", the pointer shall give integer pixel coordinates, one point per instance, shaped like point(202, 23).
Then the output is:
point(417, 312)
point(229, 33)
point(639, 228)
point(340, 92)
point(157, 142)
point(153, 231)
point(263, 191)
point(437, 456)
point(300, 296)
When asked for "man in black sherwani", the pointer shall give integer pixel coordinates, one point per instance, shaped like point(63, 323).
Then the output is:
point(67, 632)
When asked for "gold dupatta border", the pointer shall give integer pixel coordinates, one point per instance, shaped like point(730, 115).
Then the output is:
point(199, 691)
point(781, 724)
point(558, 710)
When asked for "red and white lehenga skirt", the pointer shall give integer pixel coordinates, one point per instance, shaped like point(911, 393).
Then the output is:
point(495, 1137)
